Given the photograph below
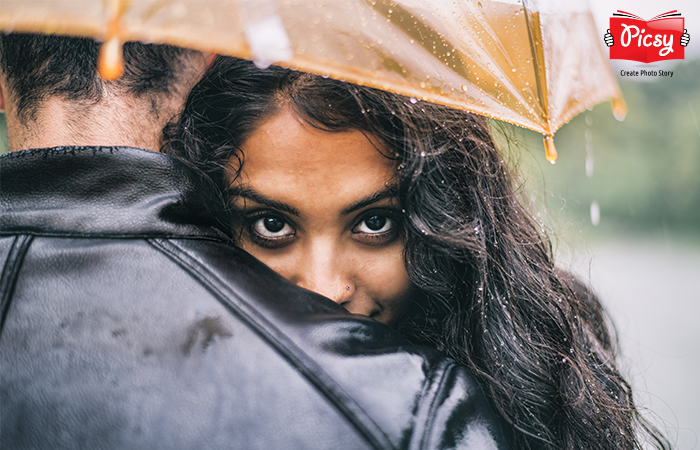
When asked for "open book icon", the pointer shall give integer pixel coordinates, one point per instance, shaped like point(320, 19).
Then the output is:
point(660, 38)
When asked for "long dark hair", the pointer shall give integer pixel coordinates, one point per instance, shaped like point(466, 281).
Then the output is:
point(535, 337)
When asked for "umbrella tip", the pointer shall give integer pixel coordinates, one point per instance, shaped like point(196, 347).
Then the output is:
point(110, 62)
point(550, 152)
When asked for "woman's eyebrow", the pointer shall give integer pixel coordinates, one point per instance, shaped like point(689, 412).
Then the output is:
point(251, 194)
point(388, 192)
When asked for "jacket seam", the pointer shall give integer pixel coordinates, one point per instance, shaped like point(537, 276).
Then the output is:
point(353, 412)
point(10, 273)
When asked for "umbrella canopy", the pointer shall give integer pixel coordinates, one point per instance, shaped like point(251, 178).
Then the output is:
point(533, 64)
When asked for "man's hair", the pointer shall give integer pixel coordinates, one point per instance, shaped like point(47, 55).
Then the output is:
point(37, 67)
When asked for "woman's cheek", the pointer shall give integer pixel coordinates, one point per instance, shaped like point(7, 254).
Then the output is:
point(388, 283)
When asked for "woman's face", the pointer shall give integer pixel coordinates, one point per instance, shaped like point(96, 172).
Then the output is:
point(320, 209)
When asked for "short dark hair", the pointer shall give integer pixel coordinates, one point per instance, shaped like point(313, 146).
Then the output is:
point(37, 67)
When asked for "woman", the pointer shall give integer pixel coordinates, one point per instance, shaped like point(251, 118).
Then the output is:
point(405, 211)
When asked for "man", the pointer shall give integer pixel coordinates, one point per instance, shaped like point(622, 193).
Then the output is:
point(129, 321)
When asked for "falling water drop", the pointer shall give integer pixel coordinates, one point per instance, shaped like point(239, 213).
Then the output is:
point(589, 163)
point(595, 214)
point(588, 134)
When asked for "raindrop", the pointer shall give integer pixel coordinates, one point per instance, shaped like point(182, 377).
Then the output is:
point(513, 69)
point(595, 214)
point(589, 163)
point(414, 100)
point(589, 146)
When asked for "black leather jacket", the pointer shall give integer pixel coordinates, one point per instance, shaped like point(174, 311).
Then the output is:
point(129, 322)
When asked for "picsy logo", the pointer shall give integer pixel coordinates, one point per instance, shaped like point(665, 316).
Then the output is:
point(633, 38)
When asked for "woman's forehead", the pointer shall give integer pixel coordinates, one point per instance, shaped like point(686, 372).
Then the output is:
point(285, 143)
point(286, 157)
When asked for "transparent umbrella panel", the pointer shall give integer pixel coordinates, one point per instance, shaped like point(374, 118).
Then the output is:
point(533, 64)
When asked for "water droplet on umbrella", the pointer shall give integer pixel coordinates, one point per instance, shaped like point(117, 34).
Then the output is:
point(550, 152)
point(110, 61)
point(619, 109)
point(414, 100)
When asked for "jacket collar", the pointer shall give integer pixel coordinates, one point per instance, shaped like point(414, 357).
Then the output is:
point(105, 191)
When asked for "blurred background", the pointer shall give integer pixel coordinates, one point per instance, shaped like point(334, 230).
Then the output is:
point(623, 202)
point(623, 205)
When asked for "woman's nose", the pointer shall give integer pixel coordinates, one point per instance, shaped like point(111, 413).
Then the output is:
point(329, 274)
point(323, 276)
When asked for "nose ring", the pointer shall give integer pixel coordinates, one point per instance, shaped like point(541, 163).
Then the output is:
point(348, 288)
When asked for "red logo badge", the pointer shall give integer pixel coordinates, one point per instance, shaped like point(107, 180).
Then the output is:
point(633, 38)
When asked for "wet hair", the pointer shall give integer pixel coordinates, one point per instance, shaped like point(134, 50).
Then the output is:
point(535, 337)
point(38, 67)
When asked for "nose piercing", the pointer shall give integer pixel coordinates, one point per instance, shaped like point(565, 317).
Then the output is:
point(348, 288)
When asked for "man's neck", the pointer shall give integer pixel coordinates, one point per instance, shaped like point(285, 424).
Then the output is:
point(113, 121)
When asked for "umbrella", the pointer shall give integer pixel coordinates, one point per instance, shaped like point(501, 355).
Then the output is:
point(533, 64)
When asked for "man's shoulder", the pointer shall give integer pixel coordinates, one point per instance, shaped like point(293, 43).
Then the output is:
point(105, 191)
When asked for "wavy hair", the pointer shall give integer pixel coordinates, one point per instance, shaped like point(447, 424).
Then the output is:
point(535, 337)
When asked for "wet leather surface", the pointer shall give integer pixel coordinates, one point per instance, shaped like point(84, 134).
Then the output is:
point(128, 321)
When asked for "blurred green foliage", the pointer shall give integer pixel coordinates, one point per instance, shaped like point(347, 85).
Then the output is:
point(646, 169)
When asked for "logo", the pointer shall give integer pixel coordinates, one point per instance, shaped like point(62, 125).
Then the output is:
point(632, 38)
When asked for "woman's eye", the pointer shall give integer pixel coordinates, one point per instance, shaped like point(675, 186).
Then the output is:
point(272, 227)
point(375, 224)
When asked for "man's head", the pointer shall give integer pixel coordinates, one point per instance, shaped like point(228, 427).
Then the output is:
point(53, 94)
